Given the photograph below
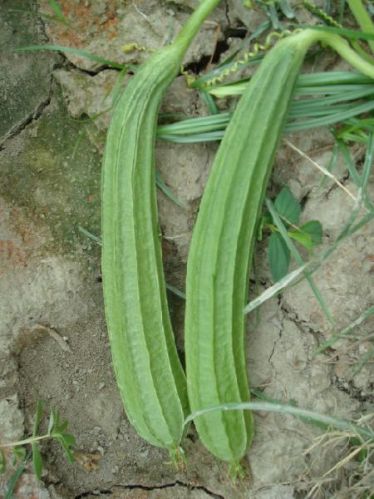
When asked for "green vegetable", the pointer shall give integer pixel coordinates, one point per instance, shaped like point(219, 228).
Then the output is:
point(148, 371)
point(222, 246)
point(223, 239)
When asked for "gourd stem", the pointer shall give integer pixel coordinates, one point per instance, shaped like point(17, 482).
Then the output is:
point(337, 43)
point(193, 24)
point(342, 47)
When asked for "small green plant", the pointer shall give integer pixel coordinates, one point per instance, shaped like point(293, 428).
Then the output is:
point(276, 11)
point(307, 235)
point(58, 15)
point(28, 449)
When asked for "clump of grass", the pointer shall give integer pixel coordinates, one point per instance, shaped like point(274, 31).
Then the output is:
point(28, 449)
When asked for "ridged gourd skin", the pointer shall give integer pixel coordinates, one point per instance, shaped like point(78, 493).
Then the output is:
point(146, 364)
point(222, 247)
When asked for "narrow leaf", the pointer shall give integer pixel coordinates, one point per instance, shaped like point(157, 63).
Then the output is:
point(37, 460)
point(38, 417)
point(167, 191)
point(56, 9)
point(209, 101)
point(175, 291)
point(309, 416)
point(274, 290)
point(13, 480)
point(2, 461)
point(51, 422)
point(346, 331)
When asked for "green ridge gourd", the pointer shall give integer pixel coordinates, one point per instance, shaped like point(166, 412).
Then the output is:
point(146, 364)
point(222, 247)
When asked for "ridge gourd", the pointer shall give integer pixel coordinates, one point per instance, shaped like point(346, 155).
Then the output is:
point(146, 364)
point(222, 247)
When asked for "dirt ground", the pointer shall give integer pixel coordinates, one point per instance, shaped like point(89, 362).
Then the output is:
point(53, 340)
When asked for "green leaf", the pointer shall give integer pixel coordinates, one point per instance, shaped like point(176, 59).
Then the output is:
point(62, 426)
point(279, 256)
point(209, 101)
point(295, 253)
point(167, 191)
point(19, 454)
point(314, 229)
point(2, 461)
point(288, 206)
point(175, 291)
point(287, 9)
point(37, 460)
point(13, 480)
point(51, 422)
point(308, 235)
point(69, 439)
point(66, 441)
point(302, 238)
point(38, 417)
point(58, 426)
point(265, 222)
point(56, 9)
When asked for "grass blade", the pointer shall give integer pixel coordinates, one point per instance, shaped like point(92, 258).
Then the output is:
point(167, 191)
point(330, 119)
point(37, 460)
point(339, 95)
point(274, 290)
point(13, 480)
point(175, 291)
point(346, 331)
point(326, 421)
point(38, 417)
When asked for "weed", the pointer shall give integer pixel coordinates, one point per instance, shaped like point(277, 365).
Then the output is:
point(28, 449)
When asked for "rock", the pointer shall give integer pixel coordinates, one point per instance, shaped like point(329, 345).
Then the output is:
point(25, 76)
point(11, 419)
